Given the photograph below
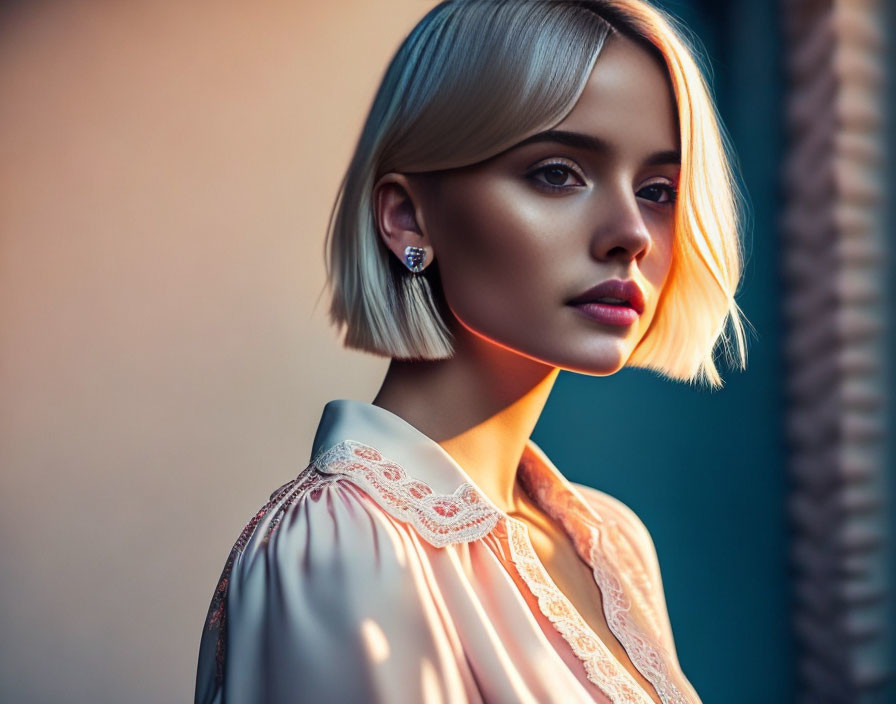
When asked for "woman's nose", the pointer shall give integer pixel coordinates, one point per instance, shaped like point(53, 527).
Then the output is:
point(621, 232)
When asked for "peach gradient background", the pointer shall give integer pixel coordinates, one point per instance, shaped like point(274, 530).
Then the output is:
point(166, 173)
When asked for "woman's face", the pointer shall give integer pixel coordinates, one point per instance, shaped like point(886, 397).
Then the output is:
point(521, 235)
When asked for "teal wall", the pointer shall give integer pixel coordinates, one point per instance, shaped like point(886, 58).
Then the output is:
point(705, 470)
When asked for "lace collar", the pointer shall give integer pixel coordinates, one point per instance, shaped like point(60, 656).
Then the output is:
point(415, 478)
point(394, 437)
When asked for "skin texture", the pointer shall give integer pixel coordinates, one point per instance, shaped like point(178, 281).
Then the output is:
point(511, 253)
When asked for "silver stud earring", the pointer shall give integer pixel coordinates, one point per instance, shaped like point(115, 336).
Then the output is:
point(415, 258)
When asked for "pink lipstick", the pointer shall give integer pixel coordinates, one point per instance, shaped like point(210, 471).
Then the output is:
point(614, 302)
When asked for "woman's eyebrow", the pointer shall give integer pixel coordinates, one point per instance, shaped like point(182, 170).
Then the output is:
point(579, 140)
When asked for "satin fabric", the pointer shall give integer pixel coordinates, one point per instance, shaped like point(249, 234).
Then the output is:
point(383, 574)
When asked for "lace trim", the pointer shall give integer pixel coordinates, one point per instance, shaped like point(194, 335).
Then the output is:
point(442, 519)
point(641, 648)
point(600, 666)
point(599, 541)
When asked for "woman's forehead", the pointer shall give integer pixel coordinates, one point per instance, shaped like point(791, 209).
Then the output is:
point(627, 101)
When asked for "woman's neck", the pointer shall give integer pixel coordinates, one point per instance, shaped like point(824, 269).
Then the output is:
point(480, 406)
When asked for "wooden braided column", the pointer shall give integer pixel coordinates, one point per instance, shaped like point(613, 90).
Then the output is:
point(834, 260)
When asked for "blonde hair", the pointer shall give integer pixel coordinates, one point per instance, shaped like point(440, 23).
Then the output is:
point(473, 78)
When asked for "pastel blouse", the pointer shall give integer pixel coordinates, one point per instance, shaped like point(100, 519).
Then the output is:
point(382, 573)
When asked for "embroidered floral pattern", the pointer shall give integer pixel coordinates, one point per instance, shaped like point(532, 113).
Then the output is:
point(441, 519)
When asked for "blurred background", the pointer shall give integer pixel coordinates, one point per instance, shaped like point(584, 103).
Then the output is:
point(166, 173)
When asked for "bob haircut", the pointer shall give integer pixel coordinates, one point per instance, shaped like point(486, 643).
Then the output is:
point(473, 78)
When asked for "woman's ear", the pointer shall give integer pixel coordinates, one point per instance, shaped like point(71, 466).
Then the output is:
point(399, 219)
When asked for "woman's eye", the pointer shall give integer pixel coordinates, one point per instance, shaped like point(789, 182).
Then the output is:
point(556, 177)
point(662, 193)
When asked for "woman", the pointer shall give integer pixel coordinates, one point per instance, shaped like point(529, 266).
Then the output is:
point(540, 185)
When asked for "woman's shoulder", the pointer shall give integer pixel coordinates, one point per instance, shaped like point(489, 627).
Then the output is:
point(629, 524)
point(309, 567)
point(318, 517)
point(288, 516)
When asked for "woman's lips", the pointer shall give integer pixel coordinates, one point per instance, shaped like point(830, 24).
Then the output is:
point(609, 313)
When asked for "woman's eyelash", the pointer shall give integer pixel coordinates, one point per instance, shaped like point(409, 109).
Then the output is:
point(564, 170)
point(668, 188)
point(560, 167)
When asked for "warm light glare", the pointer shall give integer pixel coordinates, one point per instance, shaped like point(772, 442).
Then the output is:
point(375, 640)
